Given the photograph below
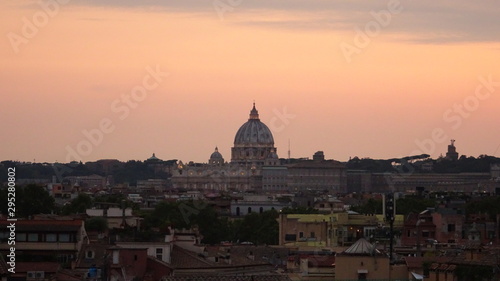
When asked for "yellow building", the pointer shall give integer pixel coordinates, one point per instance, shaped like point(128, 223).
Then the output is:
point(330, 230)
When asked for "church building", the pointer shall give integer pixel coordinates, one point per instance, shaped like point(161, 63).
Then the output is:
point(255, 165)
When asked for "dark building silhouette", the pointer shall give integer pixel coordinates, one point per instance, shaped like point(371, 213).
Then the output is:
point(452, 153)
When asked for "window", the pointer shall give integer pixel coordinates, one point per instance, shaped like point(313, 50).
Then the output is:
point(290, 237)
point(64, 237)
point(20, 237)
point(451, 227)
point(33, 237)
point(301, 234)
point(313, 235)
point(159, 253)
point(4, 236)
point(50, 237)
point(249, 210)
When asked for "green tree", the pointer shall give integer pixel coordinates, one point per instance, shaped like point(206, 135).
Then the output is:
point(487, 205)
point(78, 205)
point(371, 206)
point(259, 228)
point(118, 199)
point(99, 224)
point(474, 272)
point(32, 200)
point(411, 204)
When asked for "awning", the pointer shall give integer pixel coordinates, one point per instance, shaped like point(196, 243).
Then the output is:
point(417, 276)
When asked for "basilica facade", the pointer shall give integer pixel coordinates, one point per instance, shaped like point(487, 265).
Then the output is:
point(255, 165)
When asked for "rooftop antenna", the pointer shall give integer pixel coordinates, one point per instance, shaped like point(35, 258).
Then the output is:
point(288, 149)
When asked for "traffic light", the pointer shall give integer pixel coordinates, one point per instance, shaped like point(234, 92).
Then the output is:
point(390, 207)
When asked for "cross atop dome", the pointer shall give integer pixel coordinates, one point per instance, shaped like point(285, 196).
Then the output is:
point(254, 114)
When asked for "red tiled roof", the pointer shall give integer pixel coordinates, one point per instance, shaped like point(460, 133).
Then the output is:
point(66, 275)
point(443, 267)
point(45, 225)
point(452, 267)
point(321, 261)
point(3, 266)
point(182, 258)
point(48, 267)
point(417, 262)
point(229, 278)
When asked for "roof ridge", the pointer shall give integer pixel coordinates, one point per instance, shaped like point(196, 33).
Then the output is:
point(191, 254)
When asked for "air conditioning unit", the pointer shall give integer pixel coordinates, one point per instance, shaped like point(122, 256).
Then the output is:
point(36, 275)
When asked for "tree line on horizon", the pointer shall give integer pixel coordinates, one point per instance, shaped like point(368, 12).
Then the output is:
point(132, 171)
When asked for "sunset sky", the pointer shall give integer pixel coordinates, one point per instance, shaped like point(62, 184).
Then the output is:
point(378, 79)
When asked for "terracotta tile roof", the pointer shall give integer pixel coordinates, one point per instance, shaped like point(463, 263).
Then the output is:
point(261, 254)
point(3, 266)
point(230, 278)
point(443, 267)
point(182, 258)
point(45, 225)
point(99, 251)
point(67, 275)
point(417, 262)
point(240, 255)
point(452, 267)
point(321, 261)
point(48, 267)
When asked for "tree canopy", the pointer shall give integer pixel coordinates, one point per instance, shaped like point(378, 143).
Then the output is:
point(30, 200)
point(255, 227)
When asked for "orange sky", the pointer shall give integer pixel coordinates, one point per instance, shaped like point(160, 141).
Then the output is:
point(383, 104)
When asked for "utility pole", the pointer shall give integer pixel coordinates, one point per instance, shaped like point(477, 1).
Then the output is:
point(389, 216)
